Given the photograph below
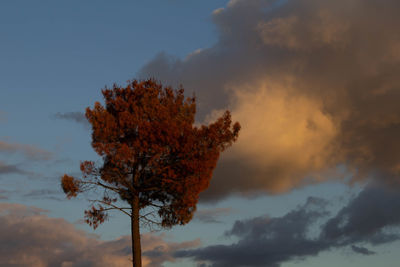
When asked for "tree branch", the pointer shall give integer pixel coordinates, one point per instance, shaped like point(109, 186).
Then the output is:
point(114, 207)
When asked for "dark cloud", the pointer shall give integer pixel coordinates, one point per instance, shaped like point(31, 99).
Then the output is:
point(368, 219)
point(10, 169)
point(78, 117)
point(265, 241)
point(211, 215)
point(314, 84)
point(4, 194)
point(30, 238)
point(362, 250)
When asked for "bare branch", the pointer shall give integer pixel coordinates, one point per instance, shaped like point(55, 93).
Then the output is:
point(116, 190)
point(114, 207)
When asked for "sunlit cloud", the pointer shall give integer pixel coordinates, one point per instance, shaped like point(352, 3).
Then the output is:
point(31, 238)
point(29, 151)
point(156, 250)
point(311, 87)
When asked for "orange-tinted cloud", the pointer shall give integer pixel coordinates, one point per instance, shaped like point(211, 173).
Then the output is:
point(29, 151)
point(314, 84)
point(30, 238)
point(156, 250)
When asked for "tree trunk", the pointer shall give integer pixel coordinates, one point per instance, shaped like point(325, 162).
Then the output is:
point(135, 233)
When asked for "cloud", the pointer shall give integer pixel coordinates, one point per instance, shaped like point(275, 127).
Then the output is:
point(3, 194)
point(314, 84)
point(10, 169)
point(156, 250)
point(362, 250)
point(211, 215)
point(264, 241)
point(30, 238)
point(41, 192)
point(78, 117)
point(45, 194)
point(29, 151)
point(368, 219)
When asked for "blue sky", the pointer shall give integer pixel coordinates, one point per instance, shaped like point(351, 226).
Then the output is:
point(316, 96)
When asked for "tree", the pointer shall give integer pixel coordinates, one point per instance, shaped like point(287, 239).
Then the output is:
point(153, 157)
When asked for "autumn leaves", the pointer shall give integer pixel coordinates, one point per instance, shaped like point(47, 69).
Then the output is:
point(153, 156)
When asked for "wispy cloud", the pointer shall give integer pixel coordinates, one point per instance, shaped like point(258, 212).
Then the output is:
point(362, 250)
point(211, 215)
point(78, 117)
point(4, 194)
point(10, 169)
point(29, 151)
point(45, 194)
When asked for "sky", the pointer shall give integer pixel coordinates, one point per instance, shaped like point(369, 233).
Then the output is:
point(313, 179)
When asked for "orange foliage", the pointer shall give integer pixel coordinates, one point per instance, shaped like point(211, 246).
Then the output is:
point(151, 149)
point(70, 186)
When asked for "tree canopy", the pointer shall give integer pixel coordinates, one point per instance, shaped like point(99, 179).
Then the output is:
point(152, 153)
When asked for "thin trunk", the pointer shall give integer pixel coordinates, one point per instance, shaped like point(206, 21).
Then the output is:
point(135, 233)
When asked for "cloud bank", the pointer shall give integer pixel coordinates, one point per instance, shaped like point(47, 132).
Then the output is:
point(30, 238)
point(314, 84)
point(369, 219)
